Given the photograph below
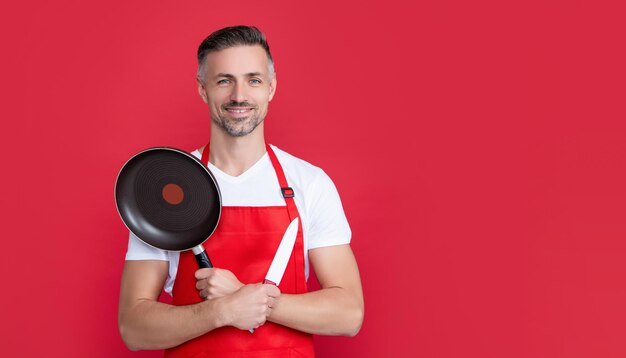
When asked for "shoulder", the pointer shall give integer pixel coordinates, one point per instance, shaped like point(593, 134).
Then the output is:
point(325, 222)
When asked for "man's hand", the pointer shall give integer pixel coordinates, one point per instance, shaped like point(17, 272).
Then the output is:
point(244, 306)
point(214, 283)
point(249, 306)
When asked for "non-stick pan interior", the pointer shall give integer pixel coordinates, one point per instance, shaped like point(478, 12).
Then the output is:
point(168, 199)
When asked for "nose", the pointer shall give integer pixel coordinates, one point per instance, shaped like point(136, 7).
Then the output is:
point(238, 93)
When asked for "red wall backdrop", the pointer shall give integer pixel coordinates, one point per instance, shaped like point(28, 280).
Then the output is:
point(479, 149)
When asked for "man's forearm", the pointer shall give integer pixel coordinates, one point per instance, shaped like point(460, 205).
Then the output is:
point(150, 324)
point(329, 311)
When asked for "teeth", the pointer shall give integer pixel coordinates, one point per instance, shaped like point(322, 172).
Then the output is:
point(237, 110)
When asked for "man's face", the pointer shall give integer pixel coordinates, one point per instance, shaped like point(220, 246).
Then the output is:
point(238, 88)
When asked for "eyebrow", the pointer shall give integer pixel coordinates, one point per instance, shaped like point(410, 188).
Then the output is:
point(228, 75)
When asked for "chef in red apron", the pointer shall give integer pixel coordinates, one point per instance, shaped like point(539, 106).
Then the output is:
point(214, 310)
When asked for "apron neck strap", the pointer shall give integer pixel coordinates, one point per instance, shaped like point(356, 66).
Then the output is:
point(285, 189)
point(205, 155)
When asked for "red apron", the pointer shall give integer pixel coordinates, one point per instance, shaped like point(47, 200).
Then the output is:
point(245, 242)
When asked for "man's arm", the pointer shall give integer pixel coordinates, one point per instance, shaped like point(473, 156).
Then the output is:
point(337, 308)
point(145, 323)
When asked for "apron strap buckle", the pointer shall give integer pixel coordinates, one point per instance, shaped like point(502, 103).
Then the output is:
point(287, 192)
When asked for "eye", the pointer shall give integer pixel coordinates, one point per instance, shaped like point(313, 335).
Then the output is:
point(223, 81)
point(255, 81)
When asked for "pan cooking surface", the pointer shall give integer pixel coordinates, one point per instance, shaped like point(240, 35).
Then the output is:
point(168, 199)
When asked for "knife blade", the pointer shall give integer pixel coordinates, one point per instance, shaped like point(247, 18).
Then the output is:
point(283, 253)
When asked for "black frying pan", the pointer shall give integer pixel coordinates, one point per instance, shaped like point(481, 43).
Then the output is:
point(170, 200)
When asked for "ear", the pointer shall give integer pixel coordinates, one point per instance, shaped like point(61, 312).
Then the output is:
point(273, 84)
point(202, 91)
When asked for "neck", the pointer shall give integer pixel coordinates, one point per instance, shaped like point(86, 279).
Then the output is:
point(235, 155)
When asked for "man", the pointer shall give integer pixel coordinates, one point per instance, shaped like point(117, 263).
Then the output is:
point(214, 308)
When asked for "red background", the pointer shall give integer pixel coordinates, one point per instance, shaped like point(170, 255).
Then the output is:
point(479, 149)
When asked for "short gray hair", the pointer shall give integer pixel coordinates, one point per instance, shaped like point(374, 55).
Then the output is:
point(231, 37)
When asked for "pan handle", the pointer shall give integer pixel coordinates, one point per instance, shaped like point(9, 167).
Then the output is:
point(201, 257)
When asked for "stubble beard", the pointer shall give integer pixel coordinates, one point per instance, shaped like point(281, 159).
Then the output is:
point(238, 127)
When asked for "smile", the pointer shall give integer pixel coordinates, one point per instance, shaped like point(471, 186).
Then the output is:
point(239, 112)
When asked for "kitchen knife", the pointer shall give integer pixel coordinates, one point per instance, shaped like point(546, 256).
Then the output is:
point(283, 253)
point(281, 258)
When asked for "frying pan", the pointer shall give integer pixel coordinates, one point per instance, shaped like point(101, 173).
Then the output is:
point(170, 200)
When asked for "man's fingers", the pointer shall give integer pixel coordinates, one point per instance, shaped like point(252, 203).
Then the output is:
point(271, 290)
point(270, 306)
point(201, 284)
point(203, 273)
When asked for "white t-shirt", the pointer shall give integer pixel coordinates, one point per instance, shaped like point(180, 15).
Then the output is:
point(317, 200)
